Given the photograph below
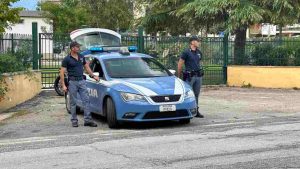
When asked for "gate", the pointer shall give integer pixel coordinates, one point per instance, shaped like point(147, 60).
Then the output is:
point(52, 49)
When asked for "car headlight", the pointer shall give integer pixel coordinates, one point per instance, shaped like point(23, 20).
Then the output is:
point(132, 97)
point(189, 94)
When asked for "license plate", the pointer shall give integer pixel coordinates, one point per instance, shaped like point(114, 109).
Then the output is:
point(164, 108)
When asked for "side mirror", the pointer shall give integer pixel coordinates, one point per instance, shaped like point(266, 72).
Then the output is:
point(172, 71)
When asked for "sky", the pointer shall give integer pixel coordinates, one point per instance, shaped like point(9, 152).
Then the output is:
point(27, 4)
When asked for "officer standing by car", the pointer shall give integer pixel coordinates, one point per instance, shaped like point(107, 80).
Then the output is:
point(74, 64)
point(193, 73)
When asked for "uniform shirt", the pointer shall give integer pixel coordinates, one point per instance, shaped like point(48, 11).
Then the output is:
point(191, 59)
point(74, 67)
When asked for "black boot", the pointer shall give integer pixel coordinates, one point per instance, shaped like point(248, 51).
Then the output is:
point(74, 124)
point(199, 115)
point(91, 124)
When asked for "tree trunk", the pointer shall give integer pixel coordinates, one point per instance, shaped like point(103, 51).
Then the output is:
point(239, 47)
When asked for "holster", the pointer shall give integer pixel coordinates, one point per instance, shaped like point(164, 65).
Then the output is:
point(187, 76)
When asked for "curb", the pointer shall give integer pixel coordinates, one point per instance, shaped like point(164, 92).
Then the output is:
point(6, 115)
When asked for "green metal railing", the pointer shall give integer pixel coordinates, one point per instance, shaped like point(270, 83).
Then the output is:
point(167, 50)
point(267, 52)
point(15, 49)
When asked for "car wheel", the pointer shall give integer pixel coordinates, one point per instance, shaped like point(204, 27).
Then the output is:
point(68, 105)
point(111, 114)
point(184, 121)
point(58, 87)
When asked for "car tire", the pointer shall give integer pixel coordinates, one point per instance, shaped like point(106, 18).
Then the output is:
point(111, 114)
point(58, 87)
point(68, 106)
point(184, 121)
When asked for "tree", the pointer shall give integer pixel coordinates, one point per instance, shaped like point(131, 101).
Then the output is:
point(235, 15)
point(110, 14)
point(66, 16)
point(159, 18)
point(73, 14)
point(8, 15)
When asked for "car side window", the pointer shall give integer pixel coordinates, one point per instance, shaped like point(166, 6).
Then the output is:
point(96, 67)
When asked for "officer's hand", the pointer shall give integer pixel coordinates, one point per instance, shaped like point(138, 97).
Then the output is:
point(65, 89)
point(96, 78)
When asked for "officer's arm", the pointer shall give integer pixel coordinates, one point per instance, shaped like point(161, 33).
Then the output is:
point(62, 75)
point(180, 64)
point(88, 69)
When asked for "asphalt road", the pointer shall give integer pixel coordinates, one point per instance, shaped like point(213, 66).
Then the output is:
point(233, 135)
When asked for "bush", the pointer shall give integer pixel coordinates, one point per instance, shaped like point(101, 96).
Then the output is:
point(297, 57)
point(268, 55)
point(20, 60)
point(261, 54)
point(281, 56)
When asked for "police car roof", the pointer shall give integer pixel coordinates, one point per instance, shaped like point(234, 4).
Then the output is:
point(115, 55)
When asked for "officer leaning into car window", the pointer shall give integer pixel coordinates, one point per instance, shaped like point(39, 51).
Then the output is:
point(193, 72)
point(74, 64)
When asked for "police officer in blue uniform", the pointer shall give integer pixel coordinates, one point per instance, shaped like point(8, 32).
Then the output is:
point(193, 72)
point(74, 64)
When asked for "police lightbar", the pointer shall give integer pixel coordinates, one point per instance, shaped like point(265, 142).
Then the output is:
point(113, 48)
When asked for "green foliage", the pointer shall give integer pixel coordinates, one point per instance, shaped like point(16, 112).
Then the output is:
point(3, 88)
point(74, 14)
point(297, 57)
point(65, 17)
point(249, 85)
point(20, 60)
point(268, 55)
point(110, 14)
point(234, 16)
point(8, 15)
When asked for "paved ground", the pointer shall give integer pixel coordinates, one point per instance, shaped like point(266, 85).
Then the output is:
point(243, 128)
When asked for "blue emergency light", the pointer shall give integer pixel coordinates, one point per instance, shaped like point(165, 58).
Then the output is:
point(96, 49)
point(132, 48)
point(112, 48)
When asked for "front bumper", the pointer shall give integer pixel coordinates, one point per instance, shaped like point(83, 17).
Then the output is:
point(144, 111)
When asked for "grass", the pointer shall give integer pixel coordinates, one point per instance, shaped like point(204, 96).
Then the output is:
point(246, 85)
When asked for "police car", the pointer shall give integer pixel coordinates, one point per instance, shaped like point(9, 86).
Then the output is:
point(135, 87)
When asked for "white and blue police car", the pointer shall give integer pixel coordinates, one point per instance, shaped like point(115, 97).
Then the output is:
point(135, 87)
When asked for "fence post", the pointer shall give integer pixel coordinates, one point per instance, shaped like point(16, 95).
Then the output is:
point(12, 43)
point(225, 54)
point(35, 45)
point(140, 39)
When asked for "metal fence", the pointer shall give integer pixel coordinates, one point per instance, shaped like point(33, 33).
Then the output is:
point(265, 52)
point(167, 50)
point(15, 52)
point(52, 49)
point(10, 43)
point(217, 53)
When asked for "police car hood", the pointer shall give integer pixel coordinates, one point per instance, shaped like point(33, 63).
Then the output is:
point(169, 85)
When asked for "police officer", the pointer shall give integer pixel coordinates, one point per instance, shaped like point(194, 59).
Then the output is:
point(193, 73)
point(74, 64)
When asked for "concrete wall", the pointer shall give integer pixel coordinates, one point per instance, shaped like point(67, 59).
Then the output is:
point(264, 76)
point(21, 87)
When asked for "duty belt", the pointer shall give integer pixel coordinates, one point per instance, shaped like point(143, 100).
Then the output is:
point(73, 78)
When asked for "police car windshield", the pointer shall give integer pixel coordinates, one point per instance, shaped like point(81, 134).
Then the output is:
point(97, 39)
point(134, 68)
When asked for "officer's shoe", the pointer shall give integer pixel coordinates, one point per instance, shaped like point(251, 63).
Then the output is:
point(75, 124)
point(90, 123)
point(199, 115)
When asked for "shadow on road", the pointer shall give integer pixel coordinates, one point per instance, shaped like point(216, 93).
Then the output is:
point(143, 125)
